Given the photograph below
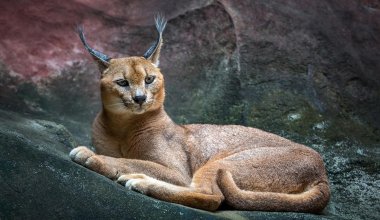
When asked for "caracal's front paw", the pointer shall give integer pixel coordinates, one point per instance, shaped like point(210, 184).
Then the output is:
point(81, 154)
point(136, 182)
point(87, 158)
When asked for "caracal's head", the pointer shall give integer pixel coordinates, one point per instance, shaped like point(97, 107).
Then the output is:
point(131, 85)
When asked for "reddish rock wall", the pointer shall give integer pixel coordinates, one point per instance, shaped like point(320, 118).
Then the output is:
point(305, 69)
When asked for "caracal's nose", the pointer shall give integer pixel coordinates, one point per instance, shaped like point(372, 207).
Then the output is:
point(140, 99)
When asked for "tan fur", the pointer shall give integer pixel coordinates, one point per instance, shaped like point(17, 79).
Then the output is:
point(195, 165)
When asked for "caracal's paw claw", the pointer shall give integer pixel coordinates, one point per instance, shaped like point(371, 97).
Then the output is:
point(136, 182)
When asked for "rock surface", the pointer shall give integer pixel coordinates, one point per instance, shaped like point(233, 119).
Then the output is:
point(39, 181)
point(306, 70)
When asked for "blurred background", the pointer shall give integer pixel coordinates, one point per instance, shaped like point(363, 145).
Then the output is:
point(304, 69)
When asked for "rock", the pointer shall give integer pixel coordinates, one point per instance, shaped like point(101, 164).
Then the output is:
point(39, 181)
point(321, 53)
point(306, 70)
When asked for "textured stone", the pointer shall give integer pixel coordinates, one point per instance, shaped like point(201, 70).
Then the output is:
point(38, 180)
point(306, 70)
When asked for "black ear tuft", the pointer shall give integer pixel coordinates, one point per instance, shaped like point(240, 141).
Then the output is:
point(102, 59)
point(153, 53)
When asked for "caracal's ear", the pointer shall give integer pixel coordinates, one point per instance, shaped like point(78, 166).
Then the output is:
point(101, 59)
point(153, 53)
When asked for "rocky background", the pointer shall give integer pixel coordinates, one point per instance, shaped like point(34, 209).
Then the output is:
point(306, 70)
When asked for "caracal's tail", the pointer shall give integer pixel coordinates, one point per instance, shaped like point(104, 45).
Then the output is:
point(313, 200)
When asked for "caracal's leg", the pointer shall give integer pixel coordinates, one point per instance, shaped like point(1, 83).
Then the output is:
point(155, 180)
point(202, 193)
point(275, 179)
point(113, 168)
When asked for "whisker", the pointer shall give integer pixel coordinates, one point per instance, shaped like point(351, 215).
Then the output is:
point(115, 104)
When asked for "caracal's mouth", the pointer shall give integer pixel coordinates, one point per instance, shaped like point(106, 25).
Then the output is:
point(137, 108)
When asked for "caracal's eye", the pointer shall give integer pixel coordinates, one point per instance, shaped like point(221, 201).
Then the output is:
point(149, 79)
point(122, 82)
